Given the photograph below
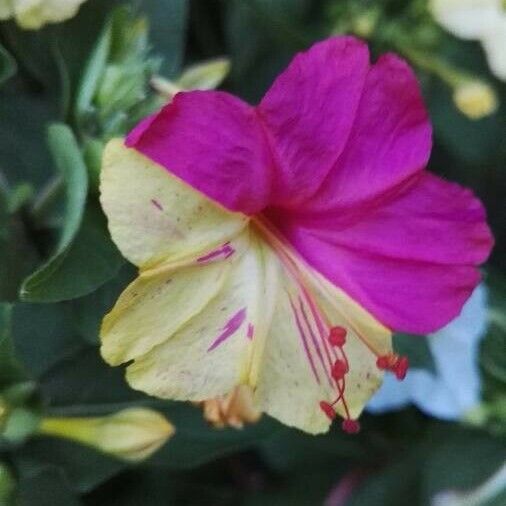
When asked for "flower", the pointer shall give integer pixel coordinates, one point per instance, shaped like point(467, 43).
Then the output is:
point(475, 99)
point(482, 20)
point(132, 434)
point(232, 410)
point(33, 14)
point(454, 388)
point(277, 245)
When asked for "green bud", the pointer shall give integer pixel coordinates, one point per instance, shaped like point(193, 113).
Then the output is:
point(132, 434)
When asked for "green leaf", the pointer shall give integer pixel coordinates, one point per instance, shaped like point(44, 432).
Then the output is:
point(74, 175)
point(10, 369)
point(7, 65)
point(493, 348)
point(88, 311)
point(83, 467)
point(90, 261)
point(72, 169)
point(17, 255)
point(417, 349)
point(459, 459)
point(93, 72)
point(168, 21)
point(43, 335)
point(196, 442)
point(46, 486)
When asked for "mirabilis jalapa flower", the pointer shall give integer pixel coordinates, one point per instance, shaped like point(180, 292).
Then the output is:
point(278, 245)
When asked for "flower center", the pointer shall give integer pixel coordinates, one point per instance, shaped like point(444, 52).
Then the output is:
point(316, 330)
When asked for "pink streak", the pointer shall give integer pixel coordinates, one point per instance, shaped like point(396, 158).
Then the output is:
point(314, 339)
point(226, 250)
point(251, 331)
point(230, 327)
point(157, 204)
point(304, 341)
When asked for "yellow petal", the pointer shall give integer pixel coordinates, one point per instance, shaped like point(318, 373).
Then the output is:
point(154, 217)
point(295, 367)
point(155, 306)
point(212, 353)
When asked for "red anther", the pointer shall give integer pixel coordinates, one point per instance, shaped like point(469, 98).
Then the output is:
point(339, 369)
point(337, 336)
point(383, 362)
point(401, 368)
point(328, 410)
point(350, 426)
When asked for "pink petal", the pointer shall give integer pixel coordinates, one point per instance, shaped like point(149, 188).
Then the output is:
point(390, 140)
point(214, 142)
point(410, 260)
point(308, 114)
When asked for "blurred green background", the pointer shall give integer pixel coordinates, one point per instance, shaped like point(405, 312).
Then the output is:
point(89, 78)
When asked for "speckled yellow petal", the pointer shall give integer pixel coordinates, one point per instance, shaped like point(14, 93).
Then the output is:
point(156, 305)
point(154, 217)
point(213, 352)
point(295, 368)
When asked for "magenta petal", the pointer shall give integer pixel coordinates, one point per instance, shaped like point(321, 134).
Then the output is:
point(308, 114)
point(214, 142)
point(410, 260)
point(390, 140)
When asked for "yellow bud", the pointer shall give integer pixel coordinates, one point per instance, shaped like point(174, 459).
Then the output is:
point(207, 75)
point(475, 99)
point(232, 410)
point(131, 434)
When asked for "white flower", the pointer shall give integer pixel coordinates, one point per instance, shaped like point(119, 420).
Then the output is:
point(483, 20)
point(33, 14)
point(455, 387)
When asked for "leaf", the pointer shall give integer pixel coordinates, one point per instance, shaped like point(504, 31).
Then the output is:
point(88, 311)
point(83, 468)
point(10, 369)
point(43, 335)
point(90, 261)
point(7, 65)
point(417, 349)
point(196, 442)
point(459, 459)
point(72, 170)
point(168, 21)
point(46, 486)
point(70, 164)
point(493, 348)
point(93, 71)
point(17, 255)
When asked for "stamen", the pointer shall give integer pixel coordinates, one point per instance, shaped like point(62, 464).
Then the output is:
point(328, 410)
point(401, 368)
point(350, 426)
point(339, 369)
point(337, 336)
point(394, 363)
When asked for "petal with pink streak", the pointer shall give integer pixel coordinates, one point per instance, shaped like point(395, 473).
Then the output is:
point(214, 142)
point(308, 113)
point(410, 260)
point(390, 140)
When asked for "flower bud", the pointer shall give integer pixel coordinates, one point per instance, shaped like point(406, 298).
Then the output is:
point(475, 99)
point(232, 410)
point(131, 434)
point(207, 75)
